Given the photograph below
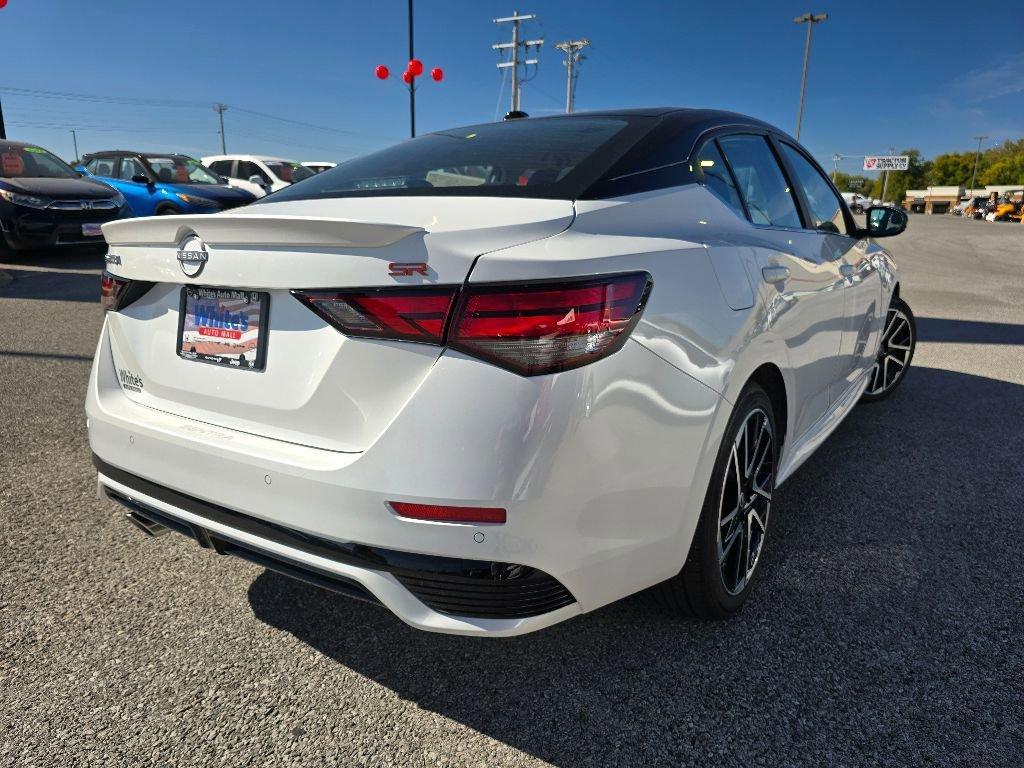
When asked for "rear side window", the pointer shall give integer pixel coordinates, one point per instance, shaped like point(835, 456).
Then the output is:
point(712, 172)
point(826, 208)
point(762, 183)
point(101, 166)
point(223, 167)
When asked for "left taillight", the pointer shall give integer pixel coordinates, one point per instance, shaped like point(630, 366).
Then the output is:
point(117, 292)
point(110, 288)
point(529, 328)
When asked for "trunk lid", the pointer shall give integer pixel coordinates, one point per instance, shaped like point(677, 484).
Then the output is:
point(318, 387)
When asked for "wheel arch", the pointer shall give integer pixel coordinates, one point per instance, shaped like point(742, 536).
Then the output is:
point(769, 377)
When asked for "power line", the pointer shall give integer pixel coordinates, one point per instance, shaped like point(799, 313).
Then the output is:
point(178, 104)
point(64, 95)
point(514, 47)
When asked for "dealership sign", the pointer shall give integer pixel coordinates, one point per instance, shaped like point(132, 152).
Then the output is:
point(886, 162)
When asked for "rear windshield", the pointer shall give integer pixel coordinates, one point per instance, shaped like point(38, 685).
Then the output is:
point(521, 158)
point(32, 163)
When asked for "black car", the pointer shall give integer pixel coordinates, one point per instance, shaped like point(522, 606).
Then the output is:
point(45, 203)
point(157, 184)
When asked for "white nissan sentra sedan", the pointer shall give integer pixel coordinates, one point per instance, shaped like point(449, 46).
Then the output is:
point(498, 376)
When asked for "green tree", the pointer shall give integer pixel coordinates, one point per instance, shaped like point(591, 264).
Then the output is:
point(843, 183)
point(1008, 170)
point(954, 169)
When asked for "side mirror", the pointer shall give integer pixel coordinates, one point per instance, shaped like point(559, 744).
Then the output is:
point(886, 222)
point(254, 179)
point(140, 178)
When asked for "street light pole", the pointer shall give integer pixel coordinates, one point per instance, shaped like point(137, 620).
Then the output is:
point(74, 139)
point(810, 19)
point(976, 158)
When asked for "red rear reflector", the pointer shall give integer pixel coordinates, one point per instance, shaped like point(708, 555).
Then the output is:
point(110, 288)
point(445, 514)
point(404, 314)
point(548, 327)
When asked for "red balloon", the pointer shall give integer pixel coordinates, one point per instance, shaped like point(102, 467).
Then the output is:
point(382, 71)
point(437, 74)
point(407, 77)
point(415, 67)
point(3, 3)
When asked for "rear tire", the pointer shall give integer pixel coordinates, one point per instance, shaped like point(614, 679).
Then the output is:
point(895, 352)
point(728, 545)
point(167, 210)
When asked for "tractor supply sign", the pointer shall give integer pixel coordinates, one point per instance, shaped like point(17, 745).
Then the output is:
point(886, 163)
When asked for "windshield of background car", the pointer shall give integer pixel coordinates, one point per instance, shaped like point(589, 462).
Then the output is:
point(179, 169)
point(289, 171)
point(32, 163)
point(520, 158)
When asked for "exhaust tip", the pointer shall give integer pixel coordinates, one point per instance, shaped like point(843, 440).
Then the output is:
point(145, 525)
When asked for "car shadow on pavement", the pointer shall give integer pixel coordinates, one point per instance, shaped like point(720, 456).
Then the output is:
point(947, 330)
point(90, 257)
point(875, 635)
point(51, 286)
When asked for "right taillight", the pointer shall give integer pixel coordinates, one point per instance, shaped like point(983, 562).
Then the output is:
point(528, 328)
point(545, 327)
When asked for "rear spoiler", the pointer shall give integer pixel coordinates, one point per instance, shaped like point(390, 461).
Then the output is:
point(220, 230)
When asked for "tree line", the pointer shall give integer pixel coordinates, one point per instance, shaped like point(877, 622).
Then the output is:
point(1002, 164)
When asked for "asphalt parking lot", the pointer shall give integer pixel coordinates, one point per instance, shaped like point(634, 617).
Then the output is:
point(886, 630)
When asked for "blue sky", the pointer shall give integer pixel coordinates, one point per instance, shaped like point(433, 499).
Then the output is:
point(924, 74)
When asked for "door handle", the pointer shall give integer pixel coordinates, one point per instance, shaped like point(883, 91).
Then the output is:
point(776, 274)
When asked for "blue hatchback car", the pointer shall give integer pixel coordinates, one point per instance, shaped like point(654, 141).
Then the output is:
point(162, 184)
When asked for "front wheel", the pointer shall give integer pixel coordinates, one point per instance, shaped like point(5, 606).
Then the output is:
point(729, 541)
point(895, 351)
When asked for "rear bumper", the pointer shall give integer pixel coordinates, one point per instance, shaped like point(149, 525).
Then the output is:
point(602, 470)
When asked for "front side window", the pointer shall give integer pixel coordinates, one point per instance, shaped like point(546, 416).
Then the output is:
point(247, 169)
point(762, 183)
point(826, 207)
point(18, 162)
point(289, 172)
point(180, 169)
point(712, 172)
point(130, 168)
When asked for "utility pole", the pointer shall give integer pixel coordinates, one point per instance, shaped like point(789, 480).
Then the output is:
point(221, 109)
point(885, 180)
point(573, 58)
point(412, 84)
point(810, 20)
point(835, 166)
point(973, 175)
point(3, 130)
point(74, 138)
point(516, 20)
